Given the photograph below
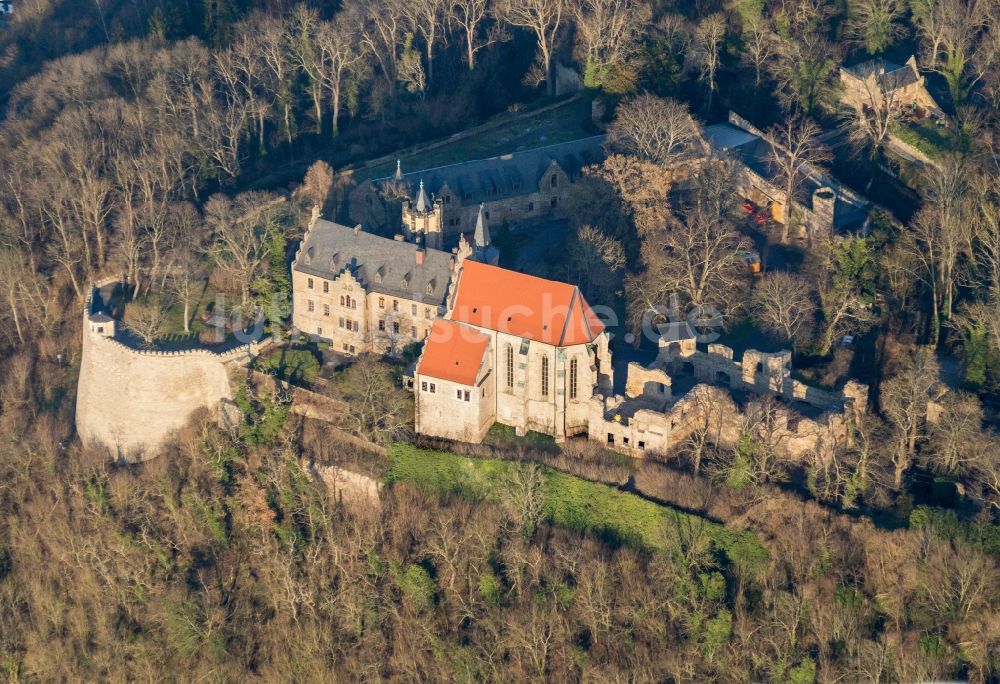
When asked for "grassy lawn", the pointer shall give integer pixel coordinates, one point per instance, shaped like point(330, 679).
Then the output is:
point(619, 518)
point(174, 330)
point(925, 136)
point(557, 125)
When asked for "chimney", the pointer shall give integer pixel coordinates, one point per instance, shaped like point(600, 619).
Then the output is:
point(420, 256)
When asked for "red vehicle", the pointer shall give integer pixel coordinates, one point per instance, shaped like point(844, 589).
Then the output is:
point(748, 208)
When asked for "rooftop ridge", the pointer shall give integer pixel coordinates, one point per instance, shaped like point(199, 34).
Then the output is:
point(494, 157)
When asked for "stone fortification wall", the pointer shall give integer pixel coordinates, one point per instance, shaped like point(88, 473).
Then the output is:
point(131, 401)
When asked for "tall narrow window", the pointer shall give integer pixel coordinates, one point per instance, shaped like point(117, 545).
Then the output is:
point(545, 376)
point(509, 353)
point(572, 379)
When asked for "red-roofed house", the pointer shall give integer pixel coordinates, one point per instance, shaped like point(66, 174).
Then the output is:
point(453, 383)
point(546, 348)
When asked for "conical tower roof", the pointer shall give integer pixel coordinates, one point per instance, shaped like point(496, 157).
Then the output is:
point(423, 204)
point(482, 236)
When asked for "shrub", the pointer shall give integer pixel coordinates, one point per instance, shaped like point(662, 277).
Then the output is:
point(295, 365)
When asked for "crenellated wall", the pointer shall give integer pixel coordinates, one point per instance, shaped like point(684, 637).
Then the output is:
point(131, 401)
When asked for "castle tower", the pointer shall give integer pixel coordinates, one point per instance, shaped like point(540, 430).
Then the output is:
point(423, 217)
point(824, 202)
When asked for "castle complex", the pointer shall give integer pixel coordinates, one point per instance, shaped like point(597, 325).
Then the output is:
point(498, 346)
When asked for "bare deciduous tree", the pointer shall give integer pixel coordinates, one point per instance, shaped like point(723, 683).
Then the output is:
point(147, 319)
point(706, 45)
point(795, 148)
point(783, 305)
point(479, 25)
point(656, 129)
point(904, 400)
point(697, 257)
point(377, 409)
point(341, 57)
point(241, 229)
point(759, 45)
point(870, 126)
point(608, 33)
point(959, 41)
point(544, 18)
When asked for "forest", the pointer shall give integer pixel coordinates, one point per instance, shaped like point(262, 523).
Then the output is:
point(180, 145)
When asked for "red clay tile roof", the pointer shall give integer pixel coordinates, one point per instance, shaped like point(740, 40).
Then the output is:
point(453, 352)
point(507, 301)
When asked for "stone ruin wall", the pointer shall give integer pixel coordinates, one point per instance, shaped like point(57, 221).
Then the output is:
point(710, 407)
point(132, 401)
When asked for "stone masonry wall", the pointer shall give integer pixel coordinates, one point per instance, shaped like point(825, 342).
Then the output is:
point(131, 401)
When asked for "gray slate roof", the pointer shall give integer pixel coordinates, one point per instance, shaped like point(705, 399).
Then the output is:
point(507, 175)
point(382, 265)
point(756, 154)
point(892, 75)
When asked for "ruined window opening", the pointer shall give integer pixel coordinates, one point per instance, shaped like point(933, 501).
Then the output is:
point(642, 444)
point(611, 438)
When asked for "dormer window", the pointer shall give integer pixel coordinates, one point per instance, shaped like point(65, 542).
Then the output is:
point(430, 286)
point(555, 180)
point(379, 274)
point(406, 281)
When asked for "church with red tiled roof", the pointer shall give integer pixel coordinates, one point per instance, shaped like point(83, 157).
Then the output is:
point(516, 349)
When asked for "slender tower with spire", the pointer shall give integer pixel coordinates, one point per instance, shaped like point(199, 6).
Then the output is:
point(483, 248)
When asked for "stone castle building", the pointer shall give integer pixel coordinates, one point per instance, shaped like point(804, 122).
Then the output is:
point(826, 208)
point(870, 83)
point(448, 199)
point(366, 293)
point(516, 349)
